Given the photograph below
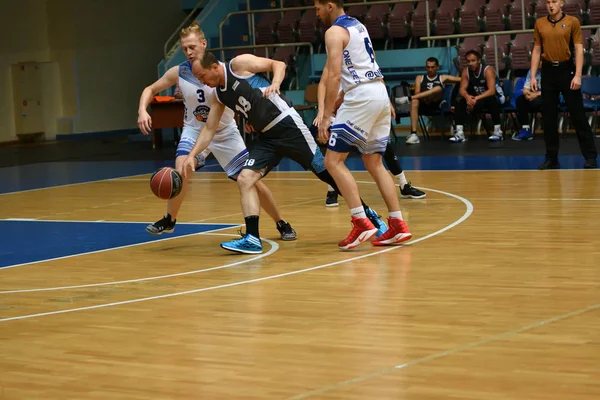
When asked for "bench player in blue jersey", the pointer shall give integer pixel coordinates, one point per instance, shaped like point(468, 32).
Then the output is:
point(362, 122)
point(227, 145)
point(282, 133)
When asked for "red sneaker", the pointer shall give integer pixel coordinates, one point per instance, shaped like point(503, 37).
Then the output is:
point(397, 233)
point(362, 230)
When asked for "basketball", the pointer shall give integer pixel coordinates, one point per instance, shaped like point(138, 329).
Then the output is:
point(166, 183)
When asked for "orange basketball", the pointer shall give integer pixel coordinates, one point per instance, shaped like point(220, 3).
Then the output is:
point(166, 183)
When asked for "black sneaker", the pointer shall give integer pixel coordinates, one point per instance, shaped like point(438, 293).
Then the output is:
point(590, 163)
point(286, 231)
point(332, 199)
point(162, 225)
point(550, 163)
point(409, 192)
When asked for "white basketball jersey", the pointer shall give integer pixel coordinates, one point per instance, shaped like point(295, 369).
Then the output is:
point(358, 57)
point(198, 99)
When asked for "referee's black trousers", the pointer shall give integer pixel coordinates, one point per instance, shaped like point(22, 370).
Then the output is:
point(556, 80)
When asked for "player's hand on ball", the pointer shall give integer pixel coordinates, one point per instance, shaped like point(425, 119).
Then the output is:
point(188, 166)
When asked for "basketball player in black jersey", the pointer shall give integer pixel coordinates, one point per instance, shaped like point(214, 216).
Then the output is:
point(283, 133)
point(478, 91)
point(427, 97)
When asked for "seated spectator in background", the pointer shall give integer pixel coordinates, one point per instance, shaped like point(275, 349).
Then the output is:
point(427, 97)
point(528, 102)
point(478, 91)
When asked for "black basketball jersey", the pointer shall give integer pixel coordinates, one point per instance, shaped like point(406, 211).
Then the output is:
point(244, 94)
point(477, 82)
point(428, 84)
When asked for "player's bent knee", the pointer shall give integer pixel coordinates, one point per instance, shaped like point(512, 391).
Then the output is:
point(372, 161)
point(248, 178)
point(333, 160)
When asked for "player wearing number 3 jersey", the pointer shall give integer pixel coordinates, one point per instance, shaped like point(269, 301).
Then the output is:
point(227, 146)
point(362, 122)
point(282, 133)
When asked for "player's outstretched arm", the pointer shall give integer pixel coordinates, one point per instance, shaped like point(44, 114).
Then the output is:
point(164, 82)
point(205, 137)
point(248, 63)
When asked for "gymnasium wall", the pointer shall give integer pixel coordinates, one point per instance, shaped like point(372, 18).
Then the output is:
point(97, 57)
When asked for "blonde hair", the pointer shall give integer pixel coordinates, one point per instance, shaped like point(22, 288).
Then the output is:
point(194, 28)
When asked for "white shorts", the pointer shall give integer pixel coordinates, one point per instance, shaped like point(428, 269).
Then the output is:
point(227, 146)
point(363, 121)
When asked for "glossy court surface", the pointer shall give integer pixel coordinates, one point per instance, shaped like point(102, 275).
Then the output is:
point(496, 297)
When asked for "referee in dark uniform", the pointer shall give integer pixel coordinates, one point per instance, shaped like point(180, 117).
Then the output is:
point(557, 37)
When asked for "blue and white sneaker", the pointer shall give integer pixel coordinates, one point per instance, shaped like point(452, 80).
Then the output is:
point(248, 244)
point(524, 134)
point(496, 136)
point(377, 221)
point(459, 137)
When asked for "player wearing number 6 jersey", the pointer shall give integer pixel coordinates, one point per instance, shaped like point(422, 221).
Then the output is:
point(362, 121)
point(227, 145)
point(282, 133)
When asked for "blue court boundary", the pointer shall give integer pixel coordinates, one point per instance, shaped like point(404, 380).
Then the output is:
point(34, 241)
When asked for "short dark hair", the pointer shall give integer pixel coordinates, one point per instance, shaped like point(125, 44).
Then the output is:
point(338, 3)
point(208, 60)
point(433, 60)
point(473, 52)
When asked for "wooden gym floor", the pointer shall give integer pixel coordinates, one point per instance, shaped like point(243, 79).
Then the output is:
point(496, 297)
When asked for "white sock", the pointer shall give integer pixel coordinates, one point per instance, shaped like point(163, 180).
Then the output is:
point(330, 189)
point(401, 180)
point(459, 130)
point(396, 214)
point(526, 127)
point(497, 129)
point(358, 212)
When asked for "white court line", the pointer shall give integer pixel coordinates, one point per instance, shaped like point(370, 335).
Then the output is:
point(115, 248)
point(94, 181)
point(531, 199)
point(445, 353)
point(70, 184)
point(109, 222)
point(274, 248)
point(467, 214)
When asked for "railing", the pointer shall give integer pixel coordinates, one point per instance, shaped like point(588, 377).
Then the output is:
point(494, 34)
point(251, 25)
point(281, 9)
point(266, 47)
point(170, 44)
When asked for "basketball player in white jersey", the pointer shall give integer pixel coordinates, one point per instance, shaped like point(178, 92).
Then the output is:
point(362, 121)
point(227, 145)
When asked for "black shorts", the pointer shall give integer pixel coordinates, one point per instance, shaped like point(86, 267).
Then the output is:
point(429, 108)
point(288, 138)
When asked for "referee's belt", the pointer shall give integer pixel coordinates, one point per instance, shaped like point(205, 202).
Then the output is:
point(566, 63)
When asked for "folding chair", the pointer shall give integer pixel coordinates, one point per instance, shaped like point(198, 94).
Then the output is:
point(443, 111)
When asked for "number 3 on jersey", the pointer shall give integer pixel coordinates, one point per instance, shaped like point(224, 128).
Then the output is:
point(200, 94)
point(244, 106)
point(369, 48)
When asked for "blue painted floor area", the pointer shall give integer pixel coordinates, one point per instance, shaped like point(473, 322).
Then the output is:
point(53, 239)
point(35, 176)
point(43, 175)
